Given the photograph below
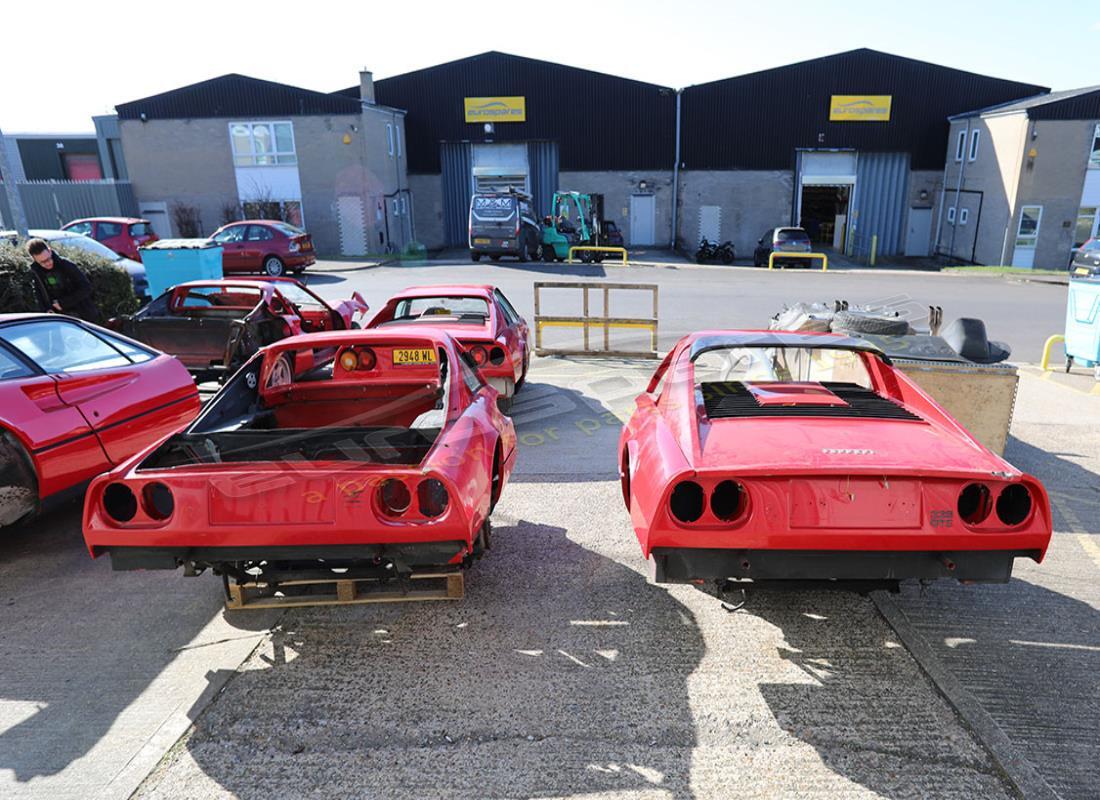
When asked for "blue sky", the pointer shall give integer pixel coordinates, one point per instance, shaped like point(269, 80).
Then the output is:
point(82, 63)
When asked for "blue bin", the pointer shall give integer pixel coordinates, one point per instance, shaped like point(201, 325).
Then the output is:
point(1083, 321)
point(172, 261)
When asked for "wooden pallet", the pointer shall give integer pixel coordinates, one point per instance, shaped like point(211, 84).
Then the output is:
point(341, 592)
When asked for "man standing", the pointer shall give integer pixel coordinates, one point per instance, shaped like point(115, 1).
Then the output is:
point(68, 291)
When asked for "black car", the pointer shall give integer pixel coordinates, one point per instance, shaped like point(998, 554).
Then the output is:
point(1086, 260)
point(782, 240)
point(504, 224)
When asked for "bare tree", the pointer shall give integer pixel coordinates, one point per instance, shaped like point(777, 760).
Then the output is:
point(187, 221)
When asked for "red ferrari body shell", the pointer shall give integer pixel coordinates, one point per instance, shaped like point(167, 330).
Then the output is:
point(75, 426)
point(305, 506)
point(813, 484)
point(513, 337)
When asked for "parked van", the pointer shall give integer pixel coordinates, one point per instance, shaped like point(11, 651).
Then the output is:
point(504, 224)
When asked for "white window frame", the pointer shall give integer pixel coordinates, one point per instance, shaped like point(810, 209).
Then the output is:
point(1092, 214)
point(1094, 153)
point(960, 146)
point(1029, 239)
point(951, 215)
point(274, 155)
point(975, 137)
point(964, 215)
point(389, 137)
point(397, 135)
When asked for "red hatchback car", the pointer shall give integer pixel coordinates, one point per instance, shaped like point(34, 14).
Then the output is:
point(75, 400)
point(264, 245)
point(124, 235)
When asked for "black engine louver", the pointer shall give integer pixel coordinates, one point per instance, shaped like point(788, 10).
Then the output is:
point(733, 399)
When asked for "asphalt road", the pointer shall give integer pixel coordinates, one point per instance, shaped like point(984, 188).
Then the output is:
point(565, 672)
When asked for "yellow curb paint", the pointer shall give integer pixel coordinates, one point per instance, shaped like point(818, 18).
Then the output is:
point(1087, 543)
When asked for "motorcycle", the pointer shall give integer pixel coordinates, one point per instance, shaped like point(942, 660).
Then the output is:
point(706, 252)
point(724, 252)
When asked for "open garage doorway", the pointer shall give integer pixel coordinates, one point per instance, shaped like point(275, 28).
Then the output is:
point(824, 214)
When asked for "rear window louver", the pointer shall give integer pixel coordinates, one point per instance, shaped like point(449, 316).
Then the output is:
point(732, 399)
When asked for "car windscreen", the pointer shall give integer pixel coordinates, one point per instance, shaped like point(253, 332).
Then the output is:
point(492, 208)
point(236, 297)
point(791, 235)
point(780, 365)
point(466, 309)
point(63, 346)
point(299, 296)
point(89, 245)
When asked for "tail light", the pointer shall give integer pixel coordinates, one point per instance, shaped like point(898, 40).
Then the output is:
point(119, 502)
point(686, 502)
point(975, 503)
point(294, 246)
point(496, 356)
point(358, 359)
point(157, 500)
point(394, 497)
point(479, 355)
point(432, 497)
point(1014, 504)
point(728, 500)
point(517, 225)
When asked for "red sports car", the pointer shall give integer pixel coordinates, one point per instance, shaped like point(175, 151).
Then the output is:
point(74, 401)
point(480, 317)
point(376, 452)
point(772, 456)
point(264, 245)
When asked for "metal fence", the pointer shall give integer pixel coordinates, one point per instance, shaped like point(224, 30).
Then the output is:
point(51, 204)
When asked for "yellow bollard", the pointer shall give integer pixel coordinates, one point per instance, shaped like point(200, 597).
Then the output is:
point(1053, 340)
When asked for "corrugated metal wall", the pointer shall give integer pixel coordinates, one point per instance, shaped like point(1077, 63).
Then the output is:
point(600, 122)
point(882, 191)
point(456, 159)
point(51, 204)
point(757, 121)
point(542, 160)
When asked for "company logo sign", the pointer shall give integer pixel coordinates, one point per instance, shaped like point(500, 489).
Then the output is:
point(860, 108)
point(496, 109)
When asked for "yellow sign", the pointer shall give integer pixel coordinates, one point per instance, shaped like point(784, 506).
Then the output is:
point(860, 108)
point(496, 109)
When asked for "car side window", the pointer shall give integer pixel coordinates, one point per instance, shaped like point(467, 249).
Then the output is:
point(11, 367)
point(84, 228)
point(139, 229)
point(258, 233)
point(229, 235)
point(510, 313)
point(107, 230)
point(61, 346)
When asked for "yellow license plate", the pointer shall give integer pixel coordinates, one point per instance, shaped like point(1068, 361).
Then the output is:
point(1080, 271)
point(481, 241)
point(413, 356)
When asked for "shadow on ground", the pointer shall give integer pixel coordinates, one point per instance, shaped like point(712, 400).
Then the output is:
point(562, 673)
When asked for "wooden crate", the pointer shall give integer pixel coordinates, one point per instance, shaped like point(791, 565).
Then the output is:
point(341, 592)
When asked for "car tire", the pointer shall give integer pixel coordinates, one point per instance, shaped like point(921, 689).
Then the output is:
point(522, 255)
point(475, 257)
point(505, 404)
point(496, 480)
point(495, 257)
point(860, 323)
point(273, 267)
point(523, 375)
point(19, 499)
point(548, 254)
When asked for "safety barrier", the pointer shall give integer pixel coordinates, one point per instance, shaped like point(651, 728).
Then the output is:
point(1053, 340)
point(620, 250)
point(824, 258)
point(586, 321)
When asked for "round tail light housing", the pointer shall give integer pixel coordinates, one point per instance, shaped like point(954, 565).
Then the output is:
point(479, 355)
point(496, 356)
point(157, 500)
point(348, 360)
point(119, 502)
point(367, 359)
point(432, 497)
point(1014, 504)
point(728, 500)
point(975, 503)
point(394, 497)
point(687, 501)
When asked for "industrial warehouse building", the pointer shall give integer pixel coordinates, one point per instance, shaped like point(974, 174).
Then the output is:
point(852, 146)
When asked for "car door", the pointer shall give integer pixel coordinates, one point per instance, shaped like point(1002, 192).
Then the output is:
point(164, 325)
point(231, 239)
point(514, 331)
point(258, 243)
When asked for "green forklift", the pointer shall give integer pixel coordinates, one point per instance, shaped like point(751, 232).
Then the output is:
point(575, 221)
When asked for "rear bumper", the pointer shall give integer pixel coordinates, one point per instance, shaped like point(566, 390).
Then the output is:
point(300, 261)
point(683, 565)
point(404, 555)
point(496, 247)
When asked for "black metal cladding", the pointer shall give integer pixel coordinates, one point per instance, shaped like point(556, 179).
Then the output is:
point(237, 96)
point(42, 158)
point(757, 121)
point(1083, 106)
point(600, 122)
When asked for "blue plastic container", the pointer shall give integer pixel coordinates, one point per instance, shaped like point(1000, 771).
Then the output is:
point(1083, 321)
point(172, 261)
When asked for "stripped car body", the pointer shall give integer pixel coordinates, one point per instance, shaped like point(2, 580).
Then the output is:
point(480, 317)
point(774, 456)
point(75, 400)
point(214, 326)
point(377, 452)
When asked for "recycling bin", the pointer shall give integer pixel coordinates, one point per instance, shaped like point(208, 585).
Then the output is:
point(171, 261)
point(1083, 321)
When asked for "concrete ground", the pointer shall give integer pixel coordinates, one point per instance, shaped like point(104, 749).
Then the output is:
point(565, 672)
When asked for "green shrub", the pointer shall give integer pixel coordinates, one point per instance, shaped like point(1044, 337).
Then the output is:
point(112, 288)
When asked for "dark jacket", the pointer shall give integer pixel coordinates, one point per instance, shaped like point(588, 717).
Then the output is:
point(66, 284)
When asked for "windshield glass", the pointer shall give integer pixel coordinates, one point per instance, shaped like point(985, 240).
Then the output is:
point(780, 365)
point(298, 296)
point(90, 245)
point(428, 307)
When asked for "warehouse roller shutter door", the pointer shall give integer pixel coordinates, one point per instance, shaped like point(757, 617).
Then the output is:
point(456, 159)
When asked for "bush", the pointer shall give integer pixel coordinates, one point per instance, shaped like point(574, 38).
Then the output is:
point(112, 288)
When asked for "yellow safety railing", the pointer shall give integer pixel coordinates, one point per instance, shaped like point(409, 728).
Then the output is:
point(824, 258)
point(1053, 340)
point(586, 321)
point(619, 250)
